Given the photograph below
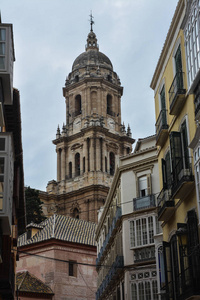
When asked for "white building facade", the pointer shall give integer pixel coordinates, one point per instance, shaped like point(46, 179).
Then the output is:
point(126, 253)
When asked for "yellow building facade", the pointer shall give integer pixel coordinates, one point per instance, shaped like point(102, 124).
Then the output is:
point(175, 129)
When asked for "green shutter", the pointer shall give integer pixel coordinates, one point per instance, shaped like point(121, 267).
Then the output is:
point(185, 144)
point(164, 177)
point(176, 151)
point(178, 64)
point(149, 185)
point(162, 98)
point(168, 268)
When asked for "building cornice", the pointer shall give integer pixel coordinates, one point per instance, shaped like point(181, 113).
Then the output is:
point(170, 35)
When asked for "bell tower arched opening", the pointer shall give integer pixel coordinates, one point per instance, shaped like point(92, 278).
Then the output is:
point(78, 105)
point(77, 164)
point(109, 104)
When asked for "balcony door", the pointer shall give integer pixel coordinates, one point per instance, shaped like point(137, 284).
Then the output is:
point(178, 68)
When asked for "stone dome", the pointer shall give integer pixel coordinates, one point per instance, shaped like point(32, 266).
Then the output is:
point(92, 57)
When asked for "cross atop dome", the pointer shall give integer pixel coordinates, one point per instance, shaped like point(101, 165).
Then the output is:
point(91, 39)
point(91, 21)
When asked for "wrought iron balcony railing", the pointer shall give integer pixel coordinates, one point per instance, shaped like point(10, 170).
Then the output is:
point(161, 127)
point(109, 234)
point(111, 275)
point(144, 202)
point(165, 204)
point(176, 93)
point(181, 175)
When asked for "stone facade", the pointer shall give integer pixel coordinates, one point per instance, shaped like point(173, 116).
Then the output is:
point(90, 143)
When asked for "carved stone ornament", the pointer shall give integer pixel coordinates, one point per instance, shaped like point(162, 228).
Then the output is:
point(76, 146)
point(55, 208)
point(75, 205)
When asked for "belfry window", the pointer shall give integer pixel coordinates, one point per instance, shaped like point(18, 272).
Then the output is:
point(77, 164)
point(78, 105)
point(76, 213)
point(112, 163)
point(109, 104)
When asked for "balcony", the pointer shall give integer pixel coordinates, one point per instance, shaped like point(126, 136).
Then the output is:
point(110, 233)
point(183, 179)
point(161, 128)
point(144, 202)
point(165, 205)
point(177, 94)
point(144, 254)
point(111, 276)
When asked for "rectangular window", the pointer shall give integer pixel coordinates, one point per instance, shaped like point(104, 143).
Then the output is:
point(132, 233)
point(2, 144)
point(134, 291)
point(2, 48)
point(142, 231)
point(138, 232)
point(151, 231)
point(143, 186)
point(73, 268)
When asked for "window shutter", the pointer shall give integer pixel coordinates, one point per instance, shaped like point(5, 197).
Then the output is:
point(185, 144)
point(167, 266)
point(178, 64)
point(168, 170)
point(149, 185)
point(176, 151)
point(137, 187)
point(162, 98)
point(164, 175)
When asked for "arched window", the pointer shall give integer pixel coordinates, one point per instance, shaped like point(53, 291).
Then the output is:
point(78, 105)
point(109, 104)
point(76, 78)
point(76, 213)
point(77, 164)
point(112, 163)
point(70, 169)
point(128, 150)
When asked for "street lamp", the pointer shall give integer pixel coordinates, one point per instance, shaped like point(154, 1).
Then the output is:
point(182, 234)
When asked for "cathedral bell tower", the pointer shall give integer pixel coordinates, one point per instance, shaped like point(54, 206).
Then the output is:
point(89, 145)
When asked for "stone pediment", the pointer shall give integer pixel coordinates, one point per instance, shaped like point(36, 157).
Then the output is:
point(76, 146)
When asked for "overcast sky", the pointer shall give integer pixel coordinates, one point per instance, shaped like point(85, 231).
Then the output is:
point(50, 34)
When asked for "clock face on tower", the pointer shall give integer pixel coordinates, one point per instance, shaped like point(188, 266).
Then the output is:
point(111, 124)
point(76, 125)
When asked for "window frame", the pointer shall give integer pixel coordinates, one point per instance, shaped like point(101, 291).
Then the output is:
point(72, 268)
point(137, 238)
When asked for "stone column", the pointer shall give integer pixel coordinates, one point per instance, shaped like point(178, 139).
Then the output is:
point(85, 154)
point(92, 154)
point(98, 154)
point(67, 110)
point(63, 163)
point(88, 102)
point(58, 164)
